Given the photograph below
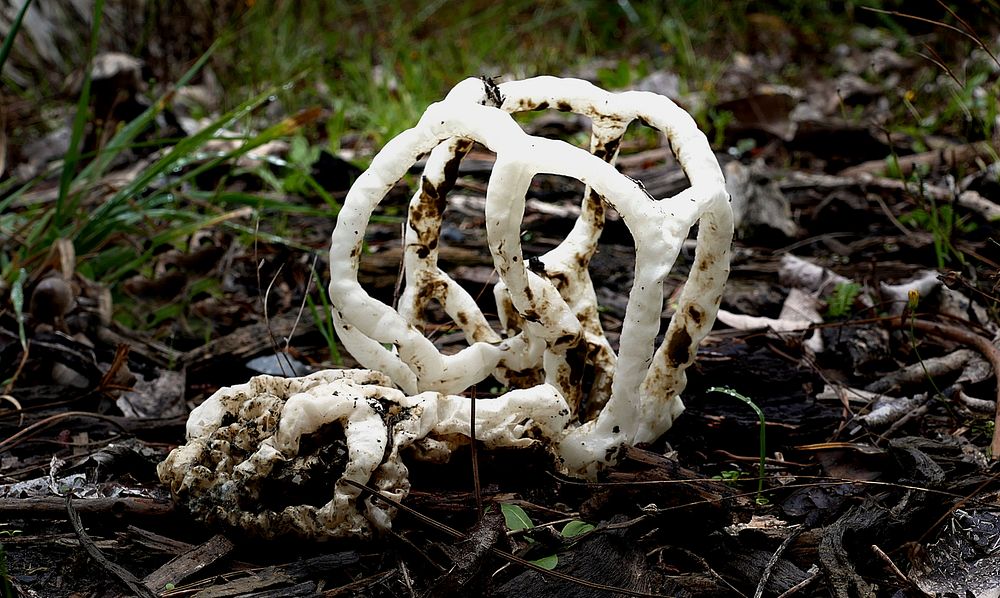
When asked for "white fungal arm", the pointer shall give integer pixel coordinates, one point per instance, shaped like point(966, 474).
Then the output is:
point(556, 306)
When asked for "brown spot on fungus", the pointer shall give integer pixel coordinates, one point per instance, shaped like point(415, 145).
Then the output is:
point(427, 189)
point(560, 280)
point(564, 339)
point(679, 347)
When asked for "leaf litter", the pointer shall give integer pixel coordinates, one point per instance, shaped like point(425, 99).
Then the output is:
point(860, 319)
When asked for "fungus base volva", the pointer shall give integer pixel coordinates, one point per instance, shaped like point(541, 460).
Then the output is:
point(246, 441)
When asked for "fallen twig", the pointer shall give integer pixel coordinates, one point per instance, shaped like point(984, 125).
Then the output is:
point(16, 439)
point(893, 567)
point(946, 156)
point(813, 572)
point(187, 564)
point(771, 562)
point(981, 344)
point(53, 506)
point(95, 553)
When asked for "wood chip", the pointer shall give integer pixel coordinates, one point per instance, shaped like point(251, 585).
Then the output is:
point(189, 563)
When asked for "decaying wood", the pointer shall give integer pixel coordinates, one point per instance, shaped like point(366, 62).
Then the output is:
point(189, 563)
point(53, 506)
point(934, 366)
point(248, 341)
point(287, 577)
point(503, 554)
point(158, 542)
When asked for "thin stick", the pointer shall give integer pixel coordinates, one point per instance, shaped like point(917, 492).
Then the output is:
point(20, 367)
point(814, 572)
point(123, 574)
point(14, 440)
point(974, 39)
point(473, 453)
point(302, 306)
point(267, 320)
point(773, 561)
point(970, 29)
point(891, 565)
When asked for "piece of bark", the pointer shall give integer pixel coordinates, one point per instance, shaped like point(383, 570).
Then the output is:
point(931, 367)
point(158, 543)
point(970, 339)
point(250, 340)
point(189, 563)
point(255, 582)
point(304, 589)
point(606, 558)
point(469, 557)
point(834, 550)
point(270, 578)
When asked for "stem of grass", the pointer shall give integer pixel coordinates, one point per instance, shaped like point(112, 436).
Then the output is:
point(763, 423)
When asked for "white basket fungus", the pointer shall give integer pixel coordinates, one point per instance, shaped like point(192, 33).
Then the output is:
point(246, 441)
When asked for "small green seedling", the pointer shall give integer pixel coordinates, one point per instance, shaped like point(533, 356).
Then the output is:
point(840, 303)
point(5, 586)
point(944, 225)
point(729, 476)
point(517, 519)
point(761, 500)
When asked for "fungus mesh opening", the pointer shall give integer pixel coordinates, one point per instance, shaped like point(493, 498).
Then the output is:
point(309, 478)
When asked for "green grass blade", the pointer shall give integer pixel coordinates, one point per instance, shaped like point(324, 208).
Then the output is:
point(38, 230)
point(100, 224)
point(124, 138)
point(5, 586)
point(763, 423)
point(271, 133)
point(325, 324)
point(259, 202)
point(267, 237)
point(17, 298)
point(8, 43)
point(111, 267)
point(79, 121)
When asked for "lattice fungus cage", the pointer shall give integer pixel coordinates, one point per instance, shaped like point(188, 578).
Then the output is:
point(252, 447)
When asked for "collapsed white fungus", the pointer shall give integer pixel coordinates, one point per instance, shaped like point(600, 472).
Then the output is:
point(549, 325)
